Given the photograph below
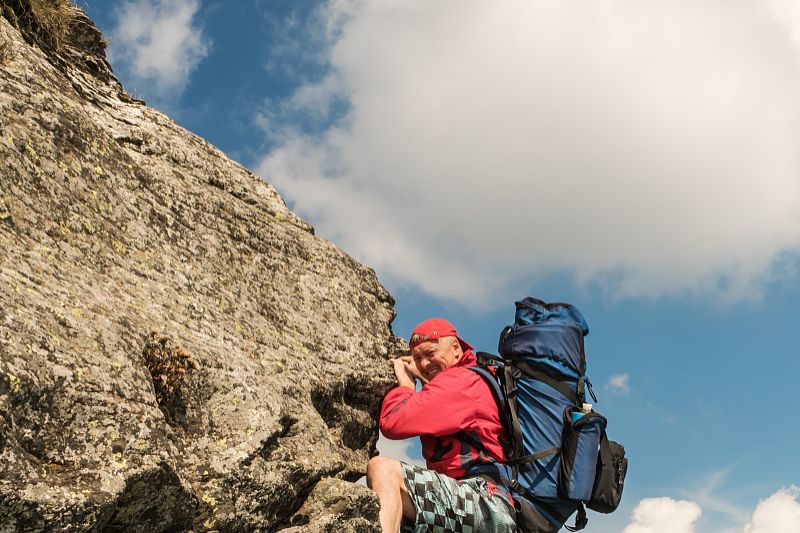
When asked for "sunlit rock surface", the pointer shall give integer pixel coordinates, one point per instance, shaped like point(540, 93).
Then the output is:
point(178, 351)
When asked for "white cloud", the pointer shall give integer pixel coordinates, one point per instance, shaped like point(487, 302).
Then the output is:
point(787, 12)
point(402, 450)
point(158, 43)
point(780, 513)
point(663, 515)
point(647, 146)
point(619, 384)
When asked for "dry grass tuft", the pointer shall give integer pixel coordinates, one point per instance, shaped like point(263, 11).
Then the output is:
point(168, 364)
point(55, 19)
point(48, 22)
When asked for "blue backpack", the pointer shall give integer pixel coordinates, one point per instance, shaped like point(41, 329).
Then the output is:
point(558, 455)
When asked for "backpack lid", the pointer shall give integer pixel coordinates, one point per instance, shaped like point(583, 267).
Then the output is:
point(534, 311)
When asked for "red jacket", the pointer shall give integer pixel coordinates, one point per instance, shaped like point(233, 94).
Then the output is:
point(455, 401)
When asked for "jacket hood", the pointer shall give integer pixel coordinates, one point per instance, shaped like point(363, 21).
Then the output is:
point(468, 359)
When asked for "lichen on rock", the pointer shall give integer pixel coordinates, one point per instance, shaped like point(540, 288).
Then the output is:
point(178, 351)
point(335, 506)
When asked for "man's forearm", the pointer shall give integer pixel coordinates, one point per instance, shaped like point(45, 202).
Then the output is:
point(405, 381)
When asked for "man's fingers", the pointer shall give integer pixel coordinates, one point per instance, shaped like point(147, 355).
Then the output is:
point(410, 361)
point(406, 364)
point(414, 371)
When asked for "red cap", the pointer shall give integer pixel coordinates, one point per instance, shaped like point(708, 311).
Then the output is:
point(435, 328)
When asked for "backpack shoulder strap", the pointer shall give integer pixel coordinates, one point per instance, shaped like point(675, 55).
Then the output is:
point(500, 399)
point(490, 380)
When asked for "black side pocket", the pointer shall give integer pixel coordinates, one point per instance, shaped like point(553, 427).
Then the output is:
point(612, 466)
point(530, 520)
point(579, 452)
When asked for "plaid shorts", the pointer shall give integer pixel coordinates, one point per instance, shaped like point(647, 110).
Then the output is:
point(447, 505)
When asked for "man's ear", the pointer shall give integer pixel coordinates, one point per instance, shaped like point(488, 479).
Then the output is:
point(457, 349)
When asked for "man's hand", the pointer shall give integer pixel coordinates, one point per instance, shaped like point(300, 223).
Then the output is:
point(406, 372)
point(412, 367)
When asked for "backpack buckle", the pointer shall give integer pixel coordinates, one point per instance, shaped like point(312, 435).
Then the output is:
point(580, 390)
point(488, 359)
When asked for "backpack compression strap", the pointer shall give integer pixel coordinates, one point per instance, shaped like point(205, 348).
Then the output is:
point(525, 369)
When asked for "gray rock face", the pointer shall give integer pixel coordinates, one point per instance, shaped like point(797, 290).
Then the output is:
point(178, 351)
point(336, 506)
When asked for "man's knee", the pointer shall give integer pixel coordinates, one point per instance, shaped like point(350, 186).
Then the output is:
point(383, 470)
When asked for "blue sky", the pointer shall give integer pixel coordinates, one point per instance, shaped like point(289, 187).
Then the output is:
point(638, 159)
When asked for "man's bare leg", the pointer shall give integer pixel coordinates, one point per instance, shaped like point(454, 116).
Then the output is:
point(385, 476)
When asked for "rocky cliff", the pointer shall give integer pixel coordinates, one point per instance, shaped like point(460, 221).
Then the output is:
point(178, 351)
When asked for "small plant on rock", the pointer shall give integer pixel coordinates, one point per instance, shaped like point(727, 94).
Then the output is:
point(168, 364)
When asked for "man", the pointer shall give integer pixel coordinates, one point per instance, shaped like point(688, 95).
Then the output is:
point(456, 417)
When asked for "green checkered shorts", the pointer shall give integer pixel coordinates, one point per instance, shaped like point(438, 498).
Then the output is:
point(447, 505)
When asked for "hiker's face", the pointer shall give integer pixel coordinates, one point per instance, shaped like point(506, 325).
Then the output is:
point(434, 356)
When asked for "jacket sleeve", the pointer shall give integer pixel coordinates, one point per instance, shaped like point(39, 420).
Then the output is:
point(444, 406)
